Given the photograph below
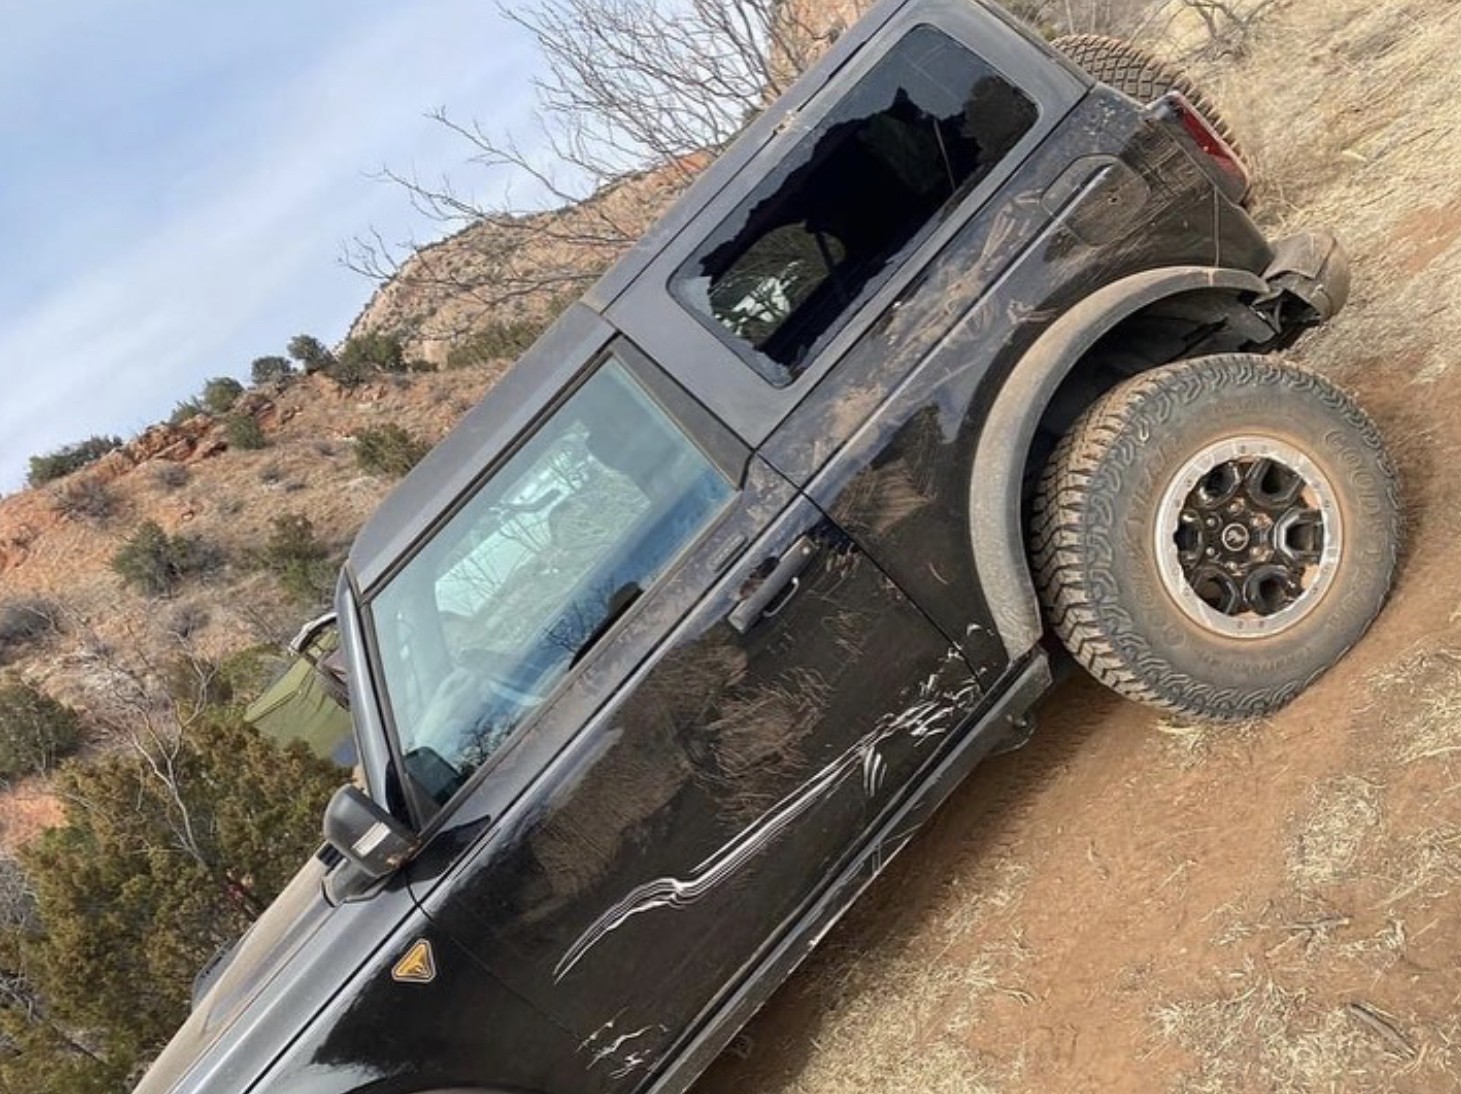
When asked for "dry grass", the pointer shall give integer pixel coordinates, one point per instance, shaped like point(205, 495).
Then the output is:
point(941, 1066)
point(1190, 743)
point(1327, 841)
point(1260, 1033)
point(1422, 867)
point(896, 1016)
point(1359, 138)
point(1417, 702)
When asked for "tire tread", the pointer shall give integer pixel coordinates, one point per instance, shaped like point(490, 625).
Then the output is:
point(1134, 71)
point(1067, 546)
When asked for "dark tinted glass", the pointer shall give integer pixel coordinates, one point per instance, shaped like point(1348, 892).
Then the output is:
point(818, 235)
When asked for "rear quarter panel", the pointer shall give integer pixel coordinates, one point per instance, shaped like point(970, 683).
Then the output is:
point(885, 443)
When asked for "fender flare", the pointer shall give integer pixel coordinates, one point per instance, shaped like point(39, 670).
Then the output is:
point(996, 524)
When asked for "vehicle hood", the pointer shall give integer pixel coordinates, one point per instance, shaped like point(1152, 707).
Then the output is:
point(278, 935)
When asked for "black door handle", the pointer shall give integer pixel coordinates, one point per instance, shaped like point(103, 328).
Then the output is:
point(776, 588)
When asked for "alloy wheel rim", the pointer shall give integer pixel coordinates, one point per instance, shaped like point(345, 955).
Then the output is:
point(1248, 536)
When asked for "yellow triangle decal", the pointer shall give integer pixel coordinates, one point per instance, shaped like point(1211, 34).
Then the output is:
point(418, 966)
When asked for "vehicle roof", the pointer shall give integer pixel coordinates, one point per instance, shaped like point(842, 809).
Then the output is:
point(429, 492)
point(437, 484)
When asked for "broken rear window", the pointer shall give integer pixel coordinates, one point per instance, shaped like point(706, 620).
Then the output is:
point(820, 234)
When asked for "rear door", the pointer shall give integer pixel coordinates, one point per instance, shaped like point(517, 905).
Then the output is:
point(638, 790)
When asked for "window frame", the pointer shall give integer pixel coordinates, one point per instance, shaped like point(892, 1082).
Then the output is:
point(771, 371)
point(642, 304)
point(722, 449)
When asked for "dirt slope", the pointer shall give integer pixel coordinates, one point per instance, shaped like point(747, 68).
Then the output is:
point(1135, 905)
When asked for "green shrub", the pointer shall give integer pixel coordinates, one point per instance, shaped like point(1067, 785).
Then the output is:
point(85, 497)
point(132, 901)
point(185, 411)
point(220, 393)
point(373, 352)
point(63, 461)
point(270, 370)
point(244, 432)
point(297, 557)
point(494, 342)
point(196, 684)
point(388, 450)
point(311, 353)
point(35, 730)
point(155, 563)
point(247, 672)
point(351, 373)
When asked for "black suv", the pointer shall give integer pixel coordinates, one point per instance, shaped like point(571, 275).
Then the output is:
point(688, 627)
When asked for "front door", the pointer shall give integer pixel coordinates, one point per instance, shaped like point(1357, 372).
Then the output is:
point(700, 772)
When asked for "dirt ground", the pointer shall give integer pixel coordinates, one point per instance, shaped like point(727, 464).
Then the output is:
point(1132, 904)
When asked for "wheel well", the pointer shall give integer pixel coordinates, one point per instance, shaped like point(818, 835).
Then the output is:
point(1189, 324)
point(1130, 325)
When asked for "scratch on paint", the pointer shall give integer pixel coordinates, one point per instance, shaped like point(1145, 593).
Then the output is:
point(608, 1052)
point(632, 1063)
point(928, 718)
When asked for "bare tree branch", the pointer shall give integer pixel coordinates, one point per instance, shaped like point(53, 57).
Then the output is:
point(636, 97)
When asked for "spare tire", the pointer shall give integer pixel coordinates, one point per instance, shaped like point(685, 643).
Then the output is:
point(1135, 72)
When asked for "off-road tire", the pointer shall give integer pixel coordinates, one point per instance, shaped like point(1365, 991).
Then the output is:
point(1095, 543)
point(1134, 71)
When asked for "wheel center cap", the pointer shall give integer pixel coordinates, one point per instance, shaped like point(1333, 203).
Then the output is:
point(1235, 537)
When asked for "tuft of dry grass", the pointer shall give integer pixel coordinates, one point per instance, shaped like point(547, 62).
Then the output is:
point(1261, 1034)
point(941, 1066)
point(1190, 743)
point(1423, 867)
point(1328, 840)
point(920, 993)
point(1417, 702)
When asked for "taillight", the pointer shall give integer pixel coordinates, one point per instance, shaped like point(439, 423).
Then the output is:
point(1175, 105)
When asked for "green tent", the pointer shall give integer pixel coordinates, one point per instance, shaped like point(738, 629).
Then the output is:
point(309, 701)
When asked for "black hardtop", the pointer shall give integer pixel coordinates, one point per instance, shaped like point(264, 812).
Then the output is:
point(433, 488)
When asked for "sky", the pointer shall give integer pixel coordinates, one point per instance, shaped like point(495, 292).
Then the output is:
point(178, 180)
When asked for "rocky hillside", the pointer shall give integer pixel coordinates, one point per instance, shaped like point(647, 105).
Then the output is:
point(446, 293)
point(501, 269)
point(58, 543)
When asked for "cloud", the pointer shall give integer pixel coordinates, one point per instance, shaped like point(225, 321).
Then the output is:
point(243, 253)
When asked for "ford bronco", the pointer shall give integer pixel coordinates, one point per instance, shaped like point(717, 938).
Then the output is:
point(961, 355)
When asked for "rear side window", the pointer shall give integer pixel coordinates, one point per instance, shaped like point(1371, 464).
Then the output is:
point(820, 234)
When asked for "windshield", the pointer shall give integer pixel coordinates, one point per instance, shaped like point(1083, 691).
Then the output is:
point(490, 614)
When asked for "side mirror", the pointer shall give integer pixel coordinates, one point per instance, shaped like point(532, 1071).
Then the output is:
point(376, 842)
point(311, 631)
